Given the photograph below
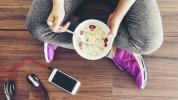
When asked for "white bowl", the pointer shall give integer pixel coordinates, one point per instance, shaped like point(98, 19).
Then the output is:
point(76, 34)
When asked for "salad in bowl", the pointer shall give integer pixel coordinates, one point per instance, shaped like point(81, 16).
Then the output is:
point(91, 41)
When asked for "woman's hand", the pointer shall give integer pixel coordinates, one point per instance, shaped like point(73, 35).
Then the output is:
point(113, 23)
point(116, 17)
point(56, 18)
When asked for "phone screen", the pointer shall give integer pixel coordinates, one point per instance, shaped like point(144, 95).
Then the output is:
point(64, 81)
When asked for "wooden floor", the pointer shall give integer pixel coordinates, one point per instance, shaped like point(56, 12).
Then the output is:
point(100, 79)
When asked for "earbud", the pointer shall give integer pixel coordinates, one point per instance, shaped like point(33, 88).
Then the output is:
point(33, 80)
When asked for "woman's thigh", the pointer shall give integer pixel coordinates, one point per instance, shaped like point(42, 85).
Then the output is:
point(37, 21)
point(142, 31)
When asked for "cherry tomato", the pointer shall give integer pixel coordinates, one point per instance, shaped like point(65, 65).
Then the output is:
point(81, 32)
point(105, 45)
point(80, 44)
point(92, 27)
point(106, 40)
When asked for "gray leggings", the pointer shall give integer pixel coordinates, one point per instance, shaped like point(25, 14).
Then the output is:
point(140, 31)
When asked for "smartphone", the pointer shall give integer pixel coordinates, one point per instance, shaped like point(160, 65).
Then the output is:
point(64, 81)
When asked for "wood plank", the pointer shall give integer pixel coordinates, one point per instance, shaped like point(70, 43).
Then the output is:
point(141, 98)
point(13, 13)
point(169, 11)
point(64, 96)
point(168, 50)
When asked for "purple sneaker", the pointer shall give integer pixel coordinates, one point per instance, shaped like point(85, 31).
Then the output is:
point(133, 64)
point(49, 50)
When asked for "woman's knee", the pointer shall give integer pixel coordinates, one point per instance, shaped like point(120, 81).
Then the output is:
point(30, 26)
point(152, 42)
point(37, 30)
point(37, 16)
point(40, 32)
point(147, 34)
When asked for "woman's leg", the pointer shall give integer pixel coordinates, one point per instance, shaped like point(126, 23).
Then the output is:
point(141, 30)
point(37, 22)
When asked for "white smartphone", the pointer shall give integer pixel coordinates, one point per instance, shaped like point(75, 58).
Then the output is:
point(64, 81)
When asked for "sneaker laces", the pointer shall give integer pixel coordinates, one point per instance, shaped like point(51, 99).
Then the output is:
point(125, 63)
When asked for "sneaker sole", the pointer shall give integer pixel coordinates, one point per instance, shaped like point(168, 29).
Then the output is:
point(46, 52)
point(143, 70)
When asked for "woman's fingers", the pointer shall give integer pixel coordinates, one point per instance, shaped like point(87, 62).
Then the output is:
point(113, 30)
point(64, 27)
point(56, 24)
point(67, 24)
point(112, 34)
point(56, 18)
point(50, 21)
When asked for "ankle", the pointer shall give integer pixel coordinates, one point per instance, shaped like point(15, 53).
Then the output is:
point(112, 53)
